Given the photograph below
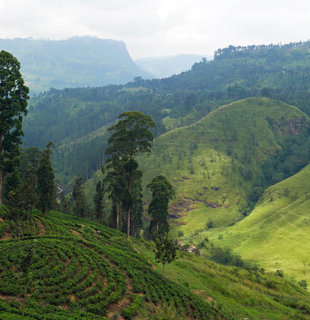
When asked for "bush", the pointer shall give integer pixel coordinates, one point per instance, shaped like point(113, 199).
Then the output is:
point(303, 284)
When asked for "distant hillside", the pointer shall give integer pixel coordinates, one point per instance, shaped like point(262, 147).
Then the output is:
point(76, 62)
point(276, 234)
point(82, 270)
point(216, 164)
point(66, 116)
point(163, 67)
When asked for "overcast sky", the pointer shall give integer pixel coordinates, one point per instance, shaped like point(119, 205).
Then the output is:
point(160, 27)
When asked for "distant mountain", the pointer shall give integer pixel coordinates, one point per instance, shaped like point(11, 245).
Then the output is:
point(163, 67)
point(76, 62)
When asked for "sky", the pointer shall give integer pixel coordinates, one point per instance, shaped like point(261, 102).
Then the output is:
point(160, 27)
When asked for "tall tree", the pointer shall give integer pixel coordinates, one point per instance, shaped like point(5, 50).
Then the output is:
point(98, 199)
point(131, 135)
point(79, 198)
point(13, 104)
point(162, 192)
point(46, 180)
point(22, 200)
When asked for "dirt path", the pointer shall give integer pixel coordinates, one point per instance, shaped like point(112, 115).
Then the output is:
point(42, 228)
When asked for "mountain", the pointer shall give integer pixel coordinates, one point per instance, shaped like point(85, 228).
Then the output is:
point(66, 116)
point(81, 270)
point(76, 62)
point(166, 66)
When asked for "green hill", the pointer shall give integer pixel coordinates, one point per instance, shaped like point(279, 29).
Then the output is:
point(276, 233)
point(80, 270)
point(216, 163)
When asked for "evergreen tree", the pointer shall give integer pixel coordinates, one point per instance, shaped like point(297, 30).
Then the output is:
point(13, 104)
point(79, 198)
point(98, 199)
point(162, 192)
point(22, 200)
point(115, 182)
point(130, 136)
point(46, 180)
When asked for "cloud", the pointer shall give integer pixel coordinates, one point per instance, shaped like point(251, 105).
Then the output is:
point(160, 27)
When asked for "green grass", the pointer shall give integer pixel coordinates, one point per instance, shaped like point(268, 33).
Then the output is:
point(276, 234)
point(214, 163)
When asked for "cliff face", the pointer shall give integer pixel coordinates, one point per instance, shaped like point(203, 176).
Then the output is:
point(76, 62)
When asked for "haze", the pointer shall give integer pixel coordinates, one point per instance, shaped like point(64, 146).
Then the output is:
point(156, 28)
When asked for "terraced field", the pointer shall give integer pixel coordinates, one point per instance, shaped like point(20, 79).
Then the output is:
point(84, 271)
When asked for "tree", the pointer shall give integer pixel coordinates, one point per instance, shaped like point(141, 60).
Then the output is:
point(162, 192)
point(130, 136)
point(79, 198)
point(13, 104)
point(165, 249)
point(98, 198)
point(22, 200)
point(46, 180)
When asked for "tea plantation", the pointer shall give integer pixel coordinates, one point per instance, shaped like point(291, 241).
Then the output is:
point(81, 270)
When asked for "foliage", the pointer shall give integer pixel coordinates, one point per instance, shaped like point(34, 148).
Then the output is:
point(46, 180)
point(98, 198)
point(76, 119)
point(78, 195)
point(162, 192)
point(13, 103)
point(22, 200)
point(165, 249)
point(130, 136)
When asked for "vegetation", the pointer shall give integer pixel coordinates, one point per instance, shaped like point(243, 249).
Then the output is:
point(80, 270)
point(13, 104)
point(76, 119)
point(130, 136)
point(75, 62)
point(162, 192)
point(46, 180)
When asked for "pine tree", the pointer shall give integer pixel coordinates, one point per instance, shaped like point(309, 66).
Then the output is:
point(13, 104)
point(162, 192)
point(98, 199)
point(22, 200)
point(46, 180)
point(79, 198)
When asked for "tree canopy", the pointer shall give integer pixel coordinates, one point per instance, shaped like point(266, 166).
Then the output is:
point(131, 135)
point(13, 104)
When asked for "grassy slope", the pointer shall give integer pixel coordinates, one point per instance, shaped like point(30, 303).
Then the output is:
point(75, 252)
point(277, 232)
point(213, 163)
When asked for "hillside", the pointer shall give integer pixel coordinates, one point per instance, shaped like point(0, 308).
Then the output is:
point(216, 163)
point(82, 270)
point(276, 233)
point(279, 72)
point(166, 66)
point(76, 62)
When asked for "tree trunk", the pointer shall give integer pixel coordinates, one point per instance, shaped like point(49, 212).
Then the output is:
point(117, 216)
point(1, 171)
point(1, 183)
point(128, 223)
